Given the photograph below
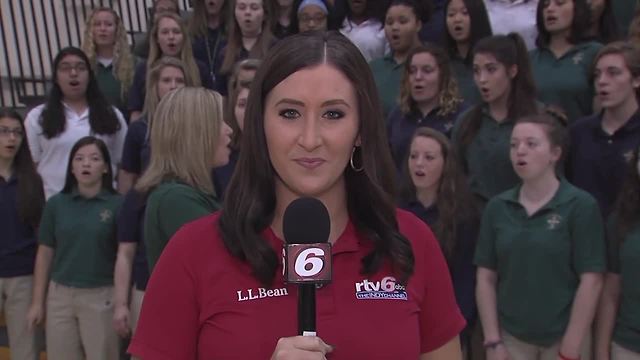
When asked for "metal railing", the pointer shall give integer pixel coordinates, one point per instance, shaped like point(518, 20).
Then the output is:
point(33, 31)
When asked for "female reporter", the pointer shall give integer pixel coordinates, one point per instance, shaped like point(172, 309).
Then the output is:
point(326, 142)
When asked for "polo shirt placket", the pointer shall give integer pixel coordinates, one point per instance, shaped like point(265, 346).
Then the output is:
point(598, 162)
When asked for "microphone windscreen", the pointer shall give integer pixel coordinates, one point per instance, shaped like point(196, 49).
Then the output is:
point(306, 221)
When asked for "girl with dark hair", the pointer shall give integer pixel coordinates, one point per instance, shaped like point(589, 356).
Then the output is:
point(249, 35)
point(78, 250)
point(467, 22)
point(435, 190)
point(602, 144)
point(324, 141)
point(402, 24)
point(540, 255)
point(502, 73)
point(169, 37)
point(363, 25)
point(20, 210)
point(617, 336)
point(207, 31)
point(282, 26)
point(75, 108)
point(428, 97)
point(563, 56)
point(603, 25)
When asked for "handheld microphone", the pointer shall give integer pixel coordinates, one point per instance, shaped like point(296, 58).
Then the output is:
point(307, 255)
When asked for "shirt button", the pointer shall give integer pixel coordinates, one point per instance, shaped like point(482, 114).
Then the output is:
point(609, 141)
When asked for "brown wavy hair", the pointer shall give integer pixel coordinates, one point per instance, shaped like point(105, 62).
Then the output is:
point(448, 99)
point(454, 200)
point(627, 205)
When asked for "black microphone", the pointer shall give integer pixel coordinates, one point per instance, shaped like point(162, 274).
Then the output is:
point(307, 255)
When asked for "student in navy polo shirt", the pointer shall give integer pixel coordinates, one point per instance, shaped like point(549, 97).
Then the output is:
point(167, 74)
point(428, 98)
point(540, 255)
point(169, 37)
point(618, 337)
point(503, 75)
point(76, 257)
point(249, 36)
point(602, 144)
point(21, 203)
point(325, 141)
point(207, 28)
point(467, 23)
point(435, 189)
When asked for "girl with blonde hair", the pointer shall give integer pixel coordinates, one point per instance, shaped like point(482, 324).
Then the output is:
point(106, 46)
point(169, 37)
point(188, 139)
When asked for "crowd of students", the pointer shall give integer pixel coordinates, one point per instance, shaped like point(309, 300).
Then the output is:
point(514, 127)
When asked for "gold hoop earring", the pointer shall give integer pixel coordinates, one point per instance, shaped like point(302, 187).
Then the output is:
point(353, 151)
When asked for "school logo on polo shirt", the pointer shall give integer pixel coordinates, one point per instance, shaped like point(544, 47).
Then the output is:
point(105, 215)
point(577, 58)
point(554, 220)
point(385, 289)
point(628, 156)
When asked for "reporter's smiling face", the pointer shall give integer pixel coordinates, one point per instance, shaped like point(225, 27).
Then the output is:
point(311, 130)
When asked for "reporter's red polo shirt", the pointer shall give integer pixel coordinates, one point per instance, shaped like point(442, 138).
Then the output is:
point(202, 303)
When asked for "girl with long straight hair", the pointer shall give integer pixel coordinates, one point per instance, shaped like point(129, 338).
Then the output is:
point(503, 76)
point(20, 211)
point(564, 55)
point(467, 23)
point(75, 108)
point(168, 37)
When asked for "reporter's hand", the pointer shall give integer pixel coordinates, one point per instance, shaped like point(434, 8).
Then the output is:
point(301, 348)
point(35, 316)
point(498, 353)
point(121, 320)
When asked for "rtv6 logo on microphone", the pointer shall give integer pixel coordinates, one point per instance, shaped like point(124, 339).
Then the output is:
point(307, 263)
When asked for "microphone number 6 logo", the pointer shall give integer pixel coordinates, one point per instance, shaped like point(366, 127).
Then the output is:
point(309, 262)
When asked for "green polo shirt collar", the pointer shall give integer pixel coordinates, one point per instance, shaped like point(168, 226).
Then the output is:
point(574, 51)
point(563, 195)
point(102, 195)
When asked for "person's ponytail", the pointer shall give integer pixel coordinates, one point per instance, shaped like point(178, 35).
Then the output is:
point(523, 89)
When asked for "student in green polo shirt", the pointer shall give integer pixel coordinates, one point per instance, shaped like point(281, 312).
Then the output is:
point(188, 139)
point(540, 254)
point(562, 60)
point(106, 46)
point(481, 135)
point(401, 27)
point(77, 251)
point(618, 335)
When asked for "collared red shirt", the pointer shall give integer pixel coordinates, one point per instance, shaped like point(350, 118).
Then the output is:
point(52, 155)
point(225, 313)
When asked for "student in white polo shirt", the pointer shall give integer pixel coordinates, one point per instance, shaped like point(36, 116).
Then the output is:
point(74, 109)
point(518, 16)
